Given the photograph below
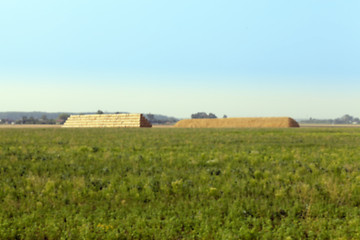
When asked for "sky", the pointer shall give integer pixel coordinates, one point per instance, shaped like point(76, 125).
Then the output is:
point(239, 58)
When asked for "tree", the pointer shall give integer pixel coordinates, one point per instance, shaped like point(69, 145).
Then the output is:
point(150, 117)
point(44, 118)
point(24, 119)
point(199, 115)
point(224, 116)
point(31, 120)
point(100, 112)
point(347, 118)
point(211, 115)
point(63, 117)
point(203, 115)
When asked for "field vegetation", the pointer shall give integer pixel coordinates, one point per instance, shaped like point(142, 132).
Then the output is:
point(167, 183)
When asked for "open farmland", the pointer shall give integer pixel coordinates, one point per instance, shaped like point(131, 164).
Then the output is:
point(168, 183)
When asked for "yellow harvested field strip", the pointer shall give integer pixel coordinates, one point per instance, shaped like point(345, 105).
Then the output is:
point(30, 126)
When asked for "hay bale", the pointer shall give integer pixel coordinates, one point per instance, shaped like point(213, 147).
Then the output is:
point(266, 122)
point(107, 120)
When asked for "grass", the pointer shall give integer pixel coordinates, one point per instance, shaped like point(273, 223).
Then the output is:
point(179, 183)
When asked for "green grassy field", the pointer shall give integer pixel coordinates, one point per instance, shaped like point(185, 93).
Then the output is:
point(180, 183)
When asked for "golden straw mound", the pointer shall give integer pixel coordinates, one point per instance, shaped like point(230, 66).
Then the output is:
point(266, 122)
point(106, 121)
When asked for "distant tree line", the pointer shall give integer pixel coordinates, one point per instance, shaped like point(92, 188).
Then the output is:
point(160, 119)
point(33, 120)
point(346, 119)
point(6, 121)
point(203, 115)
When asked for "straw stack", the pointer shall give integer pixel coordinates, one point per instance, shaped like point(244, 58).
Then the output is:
point(269, 122)
point(107, 121)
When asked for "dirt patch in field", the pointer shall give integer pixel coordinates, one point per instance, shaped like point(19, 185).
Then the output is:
point(269, 122)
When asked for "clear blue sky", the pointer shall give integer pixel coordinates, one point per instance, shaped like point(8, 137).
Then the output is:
point(240, 58)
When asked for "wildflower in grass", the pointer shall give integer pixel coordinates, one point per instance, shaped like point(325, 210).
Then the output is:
point(104, 227)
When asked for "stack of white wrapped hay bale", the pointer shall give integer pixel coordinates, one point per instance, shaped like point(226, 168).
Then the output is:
point(107, 121)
